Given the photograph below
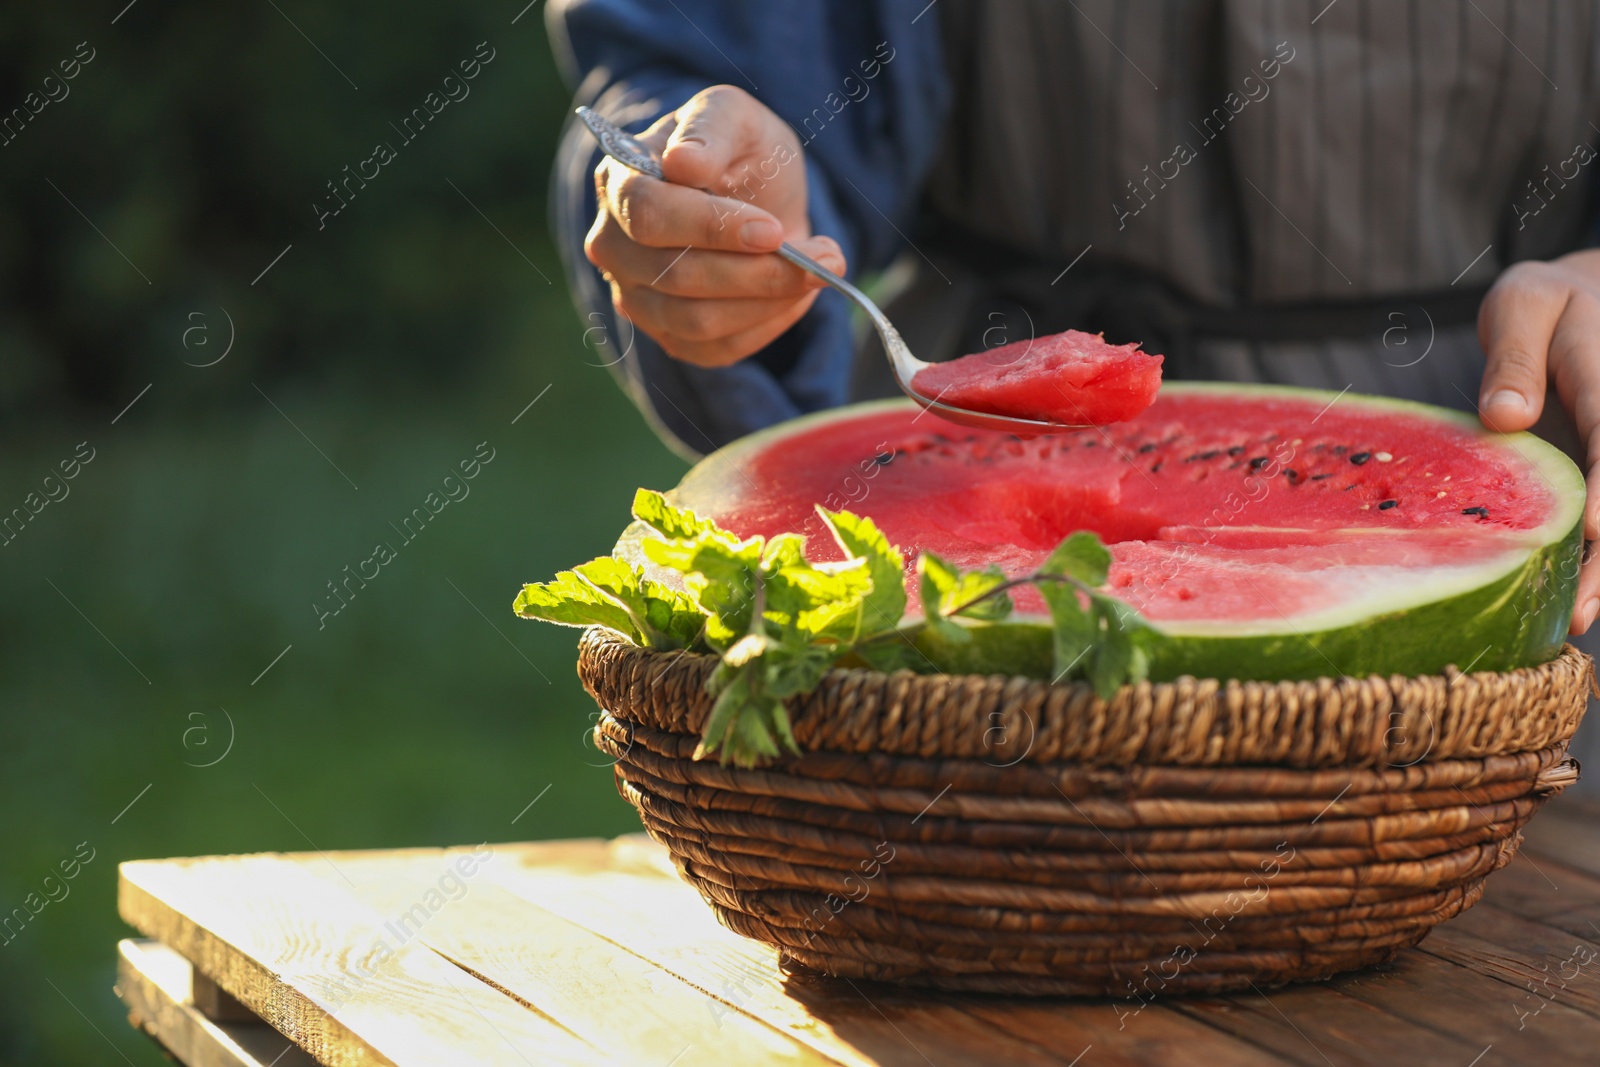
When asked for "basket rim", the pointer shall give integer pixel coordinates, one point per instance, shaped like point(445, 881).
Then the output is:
point(1394, 721)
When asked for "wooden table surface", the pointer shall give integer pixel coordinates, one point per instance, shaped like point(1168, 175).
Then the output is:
point(594, 952)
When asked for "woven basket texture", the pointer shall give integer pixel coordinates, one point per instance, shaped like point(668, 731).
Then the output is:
point(1011, 836)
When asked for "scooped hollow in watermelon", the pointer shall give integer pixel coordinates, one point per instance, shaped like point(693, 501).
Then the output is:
point(1267, 532)
point(1072, 378)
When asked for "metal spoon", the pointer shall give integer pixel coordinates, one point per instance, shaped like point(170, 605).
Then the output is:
point(636, 155)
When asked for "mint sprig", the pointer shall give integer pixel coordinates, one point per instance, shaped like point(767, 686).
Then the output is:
point(779, 622)
point(1095, 637)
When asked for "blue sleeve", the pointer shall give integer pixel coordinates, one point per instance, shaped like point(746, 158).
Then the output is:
point(868, 143)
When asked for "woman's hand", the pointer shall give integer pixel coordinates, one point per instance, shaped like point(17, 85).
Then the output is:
point(688, 260)
point(1541, 323)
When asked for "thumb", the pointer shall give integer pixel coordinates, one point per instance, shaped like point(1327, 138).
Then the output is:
point(714, 128)
point(1515, 326)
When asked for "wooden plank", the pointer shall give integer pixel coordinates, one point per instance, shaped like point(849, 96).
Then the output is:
point(216, 1003)
point(1451, 999)
point(653, 913)
point(1568, 829)
point(1316, 1026)
point(313, 961)
point(154, 983)
point(1536, 888)
point(637, 901)
point(1557, 896)
point(572, 927)
point(563, 971)
point(1120, 1033)
point(1526, 955)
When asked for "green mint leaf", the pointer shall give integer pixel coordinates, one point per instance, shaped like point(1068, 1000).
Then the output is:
point(964, 598)
point(1074, 631)
point(748, 722)
point(731, 687)
point(1081, 556)
point(568, 600)
point(783, 551)
point(753, 736)
point(652, 509)
point(946, 591)
point(1121, 657)
point(673, 613)
point(936, 578)
point(654, 610)
point(859, 537)
point(795, 668)
point(1112, 659)
point(820, 602)
point(719, 576)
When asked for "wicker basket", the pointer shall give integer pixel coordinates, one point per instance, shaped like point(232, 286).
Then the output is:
point(1005, 835)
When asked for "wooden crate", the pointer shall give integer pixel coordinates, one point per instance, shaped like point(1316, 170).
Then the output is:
point(594, 952)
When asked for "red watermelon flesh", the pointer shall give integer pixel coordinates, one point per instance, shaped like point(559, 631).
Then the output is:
point(1224, 508)
point(1073, 378)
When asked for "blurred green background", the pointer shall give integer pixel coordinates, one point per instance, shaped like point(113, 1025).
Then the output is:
point(190, 550)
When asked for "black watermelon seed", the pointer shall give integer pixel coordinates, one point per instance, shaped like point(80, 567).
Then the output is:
point(1360, 457)
point(1385, 505)
point(1213, 454)
point(1481, 512)
point(1155, 467)
point(1259, 462)
point(1347, 488)
point(1236, 450)
point(1320, 477)
point(1291, 474)
point(1147, 448)
point(883, 459)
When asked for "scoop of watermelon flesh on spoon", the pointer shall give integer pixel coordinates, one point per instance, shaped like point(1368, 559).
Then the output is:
point(1071, 379)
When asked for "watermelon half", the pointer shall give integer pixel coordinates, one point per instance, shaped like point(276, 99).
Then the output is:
point(1268, 532)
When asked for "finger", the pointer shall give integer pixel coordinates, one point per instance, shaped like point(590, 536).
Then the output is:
point(1574, 367)
point(729, 350)
point(663, 215)
point(700, 320)
point(700, 273)
point(1515, 326)
point(715, 128)
point(656, 137)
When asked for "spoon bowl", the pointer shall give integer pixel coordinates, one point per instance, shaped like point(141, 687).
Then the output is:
point(636, 155)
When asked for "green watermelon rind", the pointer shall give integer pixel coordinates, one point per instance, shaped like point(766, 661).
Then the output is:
point(1518, 620)
point(1509, 612)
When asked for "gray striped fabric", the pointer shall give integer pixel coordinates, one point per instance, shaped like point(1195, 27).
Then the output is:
point(1260, 152)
